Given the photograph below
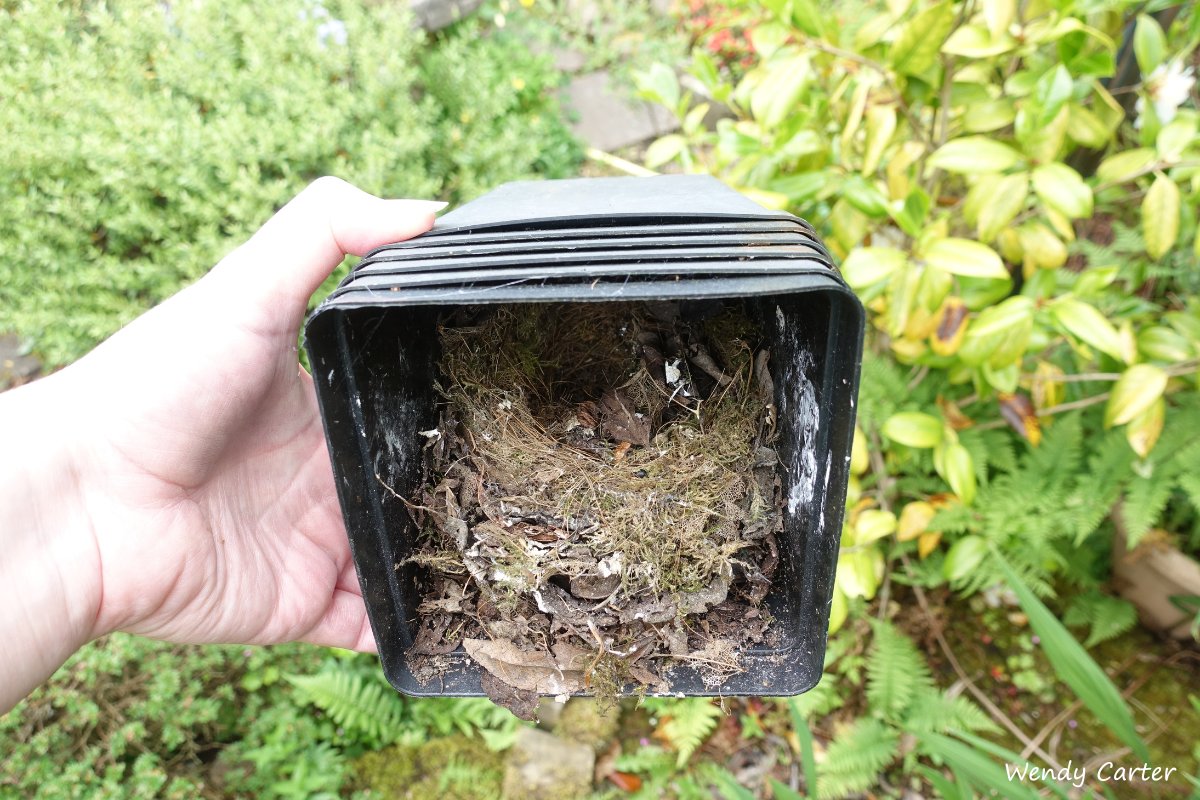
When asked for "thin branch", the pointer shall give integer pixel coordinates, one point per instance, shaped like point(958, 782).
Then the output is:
point(618, 163)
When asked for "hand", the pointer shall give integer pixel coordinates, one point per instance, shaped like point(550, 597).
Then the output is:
point(195, 499)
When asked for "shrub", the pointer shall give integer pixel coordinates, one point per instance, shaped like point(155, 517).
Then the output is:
point(144, 140)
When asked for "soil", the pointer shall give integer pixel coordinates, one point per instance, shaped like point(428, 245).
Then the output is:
point(601, 502)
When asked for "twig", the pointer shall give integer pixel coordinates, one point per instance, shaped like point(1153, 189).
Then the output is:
point(1073, 405)
point(618, 163)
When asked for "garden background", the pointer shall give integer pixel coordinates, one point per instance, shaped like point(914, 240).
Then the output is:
point(1012, 188)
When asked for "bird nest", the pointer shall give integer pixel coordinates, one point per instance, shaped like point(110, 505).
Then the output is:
point(600, 503)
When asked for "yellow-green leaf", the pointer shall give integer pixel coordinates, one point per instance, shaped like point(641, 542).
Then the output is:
point(963, 557)
point(664, 150)
point(999, 14)
point(1143, 430)
point(1040, 248)
point(976, 41)
point(868, 265)
point(1160, 216)
point(965, 257)
point(989, 115)
point(839, 608)
point(1164, 344)
point(1175, 137)
point(881, 125)
point(872, 525)
point(1001, 204)
point(1061, 188)
point(1125, 165)
point(1083, 321)
point(1149, 43)
point(916, 47)
point(958, 468)
point(859, 454)
point(775, 96)
point(975, 155)
point(914, 520)
point(914, 429)
point(1138, 388)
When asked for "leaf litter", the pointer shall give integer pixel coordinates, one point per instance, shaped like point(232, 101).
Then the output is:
point(601, 503)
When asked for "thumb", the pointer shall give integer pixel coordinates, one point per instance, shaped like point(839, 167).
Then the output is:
point(297, 249)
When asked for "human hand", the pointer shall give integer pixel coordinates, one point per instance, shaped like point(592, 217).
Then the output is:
point(194, 498)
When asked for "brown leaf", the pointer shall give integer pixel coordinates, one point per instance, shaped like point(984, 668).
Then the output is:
point(523, 704)
point(957, 419)
point(1018, 412)
point(619, 421)
point(626, 781)
point(535, 671)
point(619, 452)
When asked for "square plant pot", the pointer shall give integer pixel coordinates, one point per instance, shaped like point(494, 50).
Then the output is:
point(374, 346)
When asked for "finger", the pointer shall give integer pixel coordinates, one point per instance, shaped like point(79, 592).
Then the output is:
point(345, 625)
point(304, 242)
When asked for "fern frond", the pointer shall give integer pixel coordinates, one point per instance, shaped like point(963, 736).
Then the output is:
point(354, 701)
point(1143, 505)
point(1105, 617)
point(896, 672)
point(855, 758)
point(688, 724)
point(938, 712)
point(647, 760)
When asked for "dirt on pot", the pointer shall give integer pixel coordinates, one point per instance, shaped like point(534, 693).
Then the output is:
point(601, 503)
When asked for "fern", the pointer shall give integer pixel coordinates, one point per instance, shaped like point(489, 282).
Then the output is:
point(896, 672)
point(938, 712)
point(356, 702)
point(688, 723)
point(855, 758)
point(1105, 617)
point(646, 760)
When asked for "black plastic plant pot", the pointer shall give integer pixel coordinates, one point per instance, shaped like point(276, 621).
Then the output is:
point(374, 352)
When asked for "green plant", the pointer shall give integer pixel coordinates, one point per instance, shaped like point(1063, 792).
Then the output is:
point(136, 718)
point(143, 141)
point(1029, 389)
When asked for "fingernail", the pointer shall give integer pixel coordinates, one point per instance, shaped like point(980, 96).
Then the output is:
point(433, 205)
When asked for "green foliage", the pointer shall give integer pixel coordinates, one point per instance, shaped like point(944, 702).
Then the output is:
point(1076, 668)
point(137, 716)
point(143, 141)
point(363, 704)
point(1105, 617)
point(855, 758)
point(356, 696)
point(687, 722)
point(896, 672)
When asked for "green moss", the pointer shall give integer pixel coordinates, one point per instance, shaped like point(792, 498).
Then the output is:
point(589, 721)
point(449, 768)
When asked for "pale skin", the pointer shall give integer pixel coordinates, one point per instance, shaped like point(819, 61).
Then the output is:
point(175, 482)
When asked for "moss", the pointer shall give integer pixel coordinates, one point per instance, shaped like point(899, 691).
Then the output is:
point(589, 721)
point(449, 768)
point(1158, 684)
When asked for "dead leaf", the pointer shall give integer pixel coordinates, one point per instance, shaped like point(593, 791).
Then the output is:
point(619, 421)
point(619, 452)
point(523, 704)
point(626, 781)
point(594, 587)
point(1018, 412)
point(535, 671)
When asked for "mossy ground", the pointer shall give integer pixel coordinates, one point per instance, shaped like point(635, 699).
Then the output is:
point(1159, 680)
point(449, 768)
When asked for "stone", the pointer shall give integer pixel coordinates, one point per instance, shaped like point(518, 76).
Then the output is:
point(433, 15)
point(610, 119)
point(17, 366)
point(541, 766)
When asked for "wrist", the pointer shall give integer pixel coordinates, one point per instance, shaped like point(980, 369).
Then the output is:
point(50, 567)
